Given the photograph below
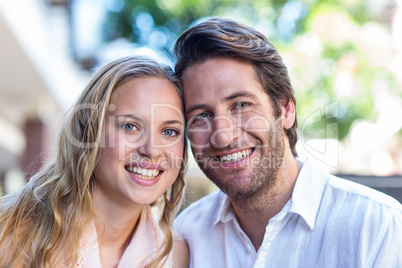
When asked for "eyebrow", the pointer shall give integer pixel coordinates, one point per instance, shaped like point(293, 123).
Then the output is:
point(130, 116)
point(172, 122)
point(228, 98)
point(196, 107)
point(167, 122)
point(240, 94)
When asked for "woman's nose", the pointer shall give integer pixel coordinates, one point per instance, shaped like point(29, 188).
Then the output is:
point(149, 147)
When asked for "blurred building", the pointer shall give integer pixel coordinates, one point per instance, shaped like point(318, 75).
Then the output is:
point(38, 80)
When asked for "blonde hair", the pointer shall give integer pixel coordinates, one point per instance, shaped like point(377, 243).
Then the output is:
point(43, 223)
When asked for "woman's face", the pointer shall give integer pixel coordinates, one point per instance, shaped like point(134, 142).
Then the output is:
point(142, 142)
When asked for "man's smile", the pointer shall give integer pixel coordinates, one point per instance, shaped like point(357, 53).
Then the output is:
point(235, 156)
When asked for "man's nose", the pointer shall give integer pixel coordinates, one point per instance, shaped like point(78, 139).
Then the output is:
point(225, 131)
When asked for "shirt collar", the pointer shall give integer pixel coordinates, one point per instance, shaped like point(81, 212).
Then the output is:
point(308, 192)
point(225, 211)
point(306, 196)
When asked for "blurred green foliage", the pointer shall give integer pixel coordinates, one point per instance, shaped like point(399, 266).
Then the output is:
point(335, 68)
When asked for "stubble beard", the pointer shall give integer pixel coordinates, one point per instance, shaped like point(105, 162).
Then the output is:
point(257, 191)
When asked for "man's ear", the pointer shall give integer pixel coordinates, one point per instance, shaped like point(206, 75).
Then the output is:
point(288, 113)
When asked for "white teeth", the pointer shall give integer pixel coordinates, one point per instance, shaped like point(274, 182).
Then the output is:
point(144, 173)
point(235, 156)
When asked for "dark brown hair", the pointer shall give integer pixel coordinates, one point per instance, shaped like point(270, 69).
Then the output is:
point(219, 37)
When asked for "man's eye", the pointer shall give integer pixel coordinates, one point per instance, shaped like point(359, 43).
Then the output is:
point(170, 132)
point(240, 105)
point(129, 126)
point(200, 120)
point(202, 115)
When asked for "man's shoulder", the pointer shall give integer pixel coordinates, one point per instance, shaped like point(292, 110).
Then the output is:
point(339, 190)
point(203, 211)
point(361, 193)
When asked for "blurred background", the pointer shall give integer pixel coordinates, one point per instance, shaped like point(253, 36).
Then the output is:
point(344, 59)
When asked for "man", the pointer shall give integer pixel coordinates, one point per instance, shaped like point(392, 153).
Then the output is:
point(271, 210)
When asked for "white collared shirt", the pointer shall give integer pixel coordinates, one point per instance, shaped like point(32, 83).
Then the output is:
point(328, 222)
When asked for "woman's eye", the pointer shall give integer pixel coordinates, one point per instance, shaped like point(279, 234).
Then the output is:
point(170, 132)
point(129, 126)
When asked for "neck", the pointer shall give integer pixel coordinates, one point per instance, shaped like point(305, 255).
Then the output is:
point(255, 212)
point(116, 228)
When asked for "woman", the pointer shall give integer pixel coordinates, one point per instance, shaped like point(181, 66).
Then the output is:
point(121, 150)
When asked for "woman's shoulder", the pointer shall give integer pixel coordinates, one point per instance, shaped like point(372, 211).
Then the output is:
point(181, 255)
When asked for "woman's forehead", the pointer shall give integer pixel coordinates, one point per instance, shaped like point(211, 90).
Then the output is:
point(146, 97)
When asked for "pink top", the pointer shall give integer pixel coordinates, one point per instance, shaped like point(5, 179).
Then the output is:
point(146, 239)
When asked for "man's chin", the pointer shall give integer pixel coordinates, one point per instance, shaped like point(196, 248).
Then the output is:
point(237, 194)
point(232, 186)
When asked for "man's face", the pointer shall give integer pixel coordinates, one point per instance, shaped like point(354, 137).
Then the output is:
point(236, 140)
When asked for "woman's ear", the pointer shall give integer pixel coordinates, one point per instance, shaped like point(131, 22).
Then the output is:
point(288, 113)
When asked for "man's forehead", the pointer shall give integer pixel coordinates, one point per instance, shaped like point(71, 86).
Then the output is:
point(220, 79)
